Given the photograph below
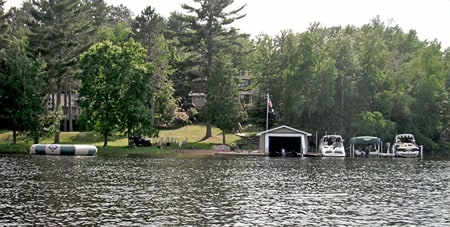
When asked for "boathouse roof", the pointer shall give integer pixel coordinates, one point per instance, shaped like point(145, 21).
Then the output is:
point(284, 129)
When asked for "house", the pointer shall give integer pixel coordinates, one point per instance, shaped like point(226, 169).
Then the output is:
point(71, 109)
point(197, 98)
point(246, 88)
point(246, 92)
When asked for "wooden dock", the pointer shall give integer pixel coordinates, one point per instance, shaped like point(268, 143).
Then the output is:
point(313, 154)
point(239, 153)
point(386, 155)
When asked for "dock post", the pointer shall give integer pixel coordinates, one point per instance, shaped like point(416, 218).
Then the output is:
point(421, 152)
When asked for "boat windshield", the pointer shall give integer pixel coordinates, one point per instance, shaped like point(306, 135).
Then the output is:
point(407, 139)
point(333, 139)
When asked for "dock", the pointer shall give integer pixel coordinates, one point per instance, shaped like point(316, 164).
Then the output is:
point(240, 153)
point(313, 154)
point(386, 155)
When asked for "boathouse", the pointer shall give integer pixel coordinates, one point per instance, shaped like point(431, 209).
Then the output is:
point(283, 140)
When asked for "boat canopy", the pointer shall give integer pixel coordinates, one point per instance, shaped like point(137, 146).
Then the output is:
point(365, 140)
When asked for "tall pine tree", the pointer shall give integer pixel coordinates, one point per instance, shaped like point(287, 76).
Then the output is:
point(207, 35)
point(148, 29)
point(59, 31)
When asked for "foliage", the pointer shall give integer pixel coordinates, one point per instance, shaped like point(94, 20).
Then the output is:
point(148, 29)
point(117, 33)
point(374, 80)
point(180, 118)
point(59, 31)
point(223, 108)
point(347, 80)
point(4, 27)
point(48, 126)
point(373, 123)
point(205, 37)
point(117, 89)
point(21, 91)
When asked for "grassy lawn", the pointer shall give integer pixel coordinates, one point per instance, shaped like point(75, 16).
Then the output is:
point(192, 134)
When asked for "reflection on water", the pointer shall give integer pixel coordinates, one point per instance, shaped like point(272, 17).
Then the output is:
point(53, 190)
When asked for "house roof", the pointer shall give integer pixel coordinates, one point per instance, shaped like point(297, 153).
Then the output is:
point(196, 94)
point(284, 127)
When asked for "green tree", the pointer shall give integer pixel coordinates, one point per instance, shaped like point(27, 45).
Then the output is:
point(186, 75)
point(208, 34)
point(300, 57)
point(4, 28)
point(59, 31)
point(138, 91)
point(428, 71)
point(119, 14)
point(21, 91)
point(117, 89)
point(373, 123)
point(148, 29)
point(225, 113)
point(118, 33)
point(266, 68)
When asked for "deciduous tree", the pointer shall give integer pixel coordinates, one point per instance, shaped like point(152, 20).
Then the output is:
point(116, 89)
point(21, 91)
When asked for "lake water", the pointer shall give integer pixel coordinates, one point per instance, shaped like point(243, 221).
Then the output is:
point(231, 191)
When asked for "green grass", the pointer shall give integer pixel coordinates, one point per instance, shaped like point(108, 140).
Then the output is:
point(192, 134)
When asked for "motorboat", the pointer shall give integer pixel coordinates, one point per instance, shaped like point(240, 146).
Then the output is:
point(365, 146)
point(405, 146)
point(332, 146)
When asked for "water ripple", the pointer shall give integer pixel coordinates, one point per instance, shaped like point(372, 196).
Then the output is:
point(41, 190)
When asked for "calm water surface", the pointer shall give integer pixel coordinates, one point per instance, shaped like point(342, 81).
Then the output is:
point(259, 191)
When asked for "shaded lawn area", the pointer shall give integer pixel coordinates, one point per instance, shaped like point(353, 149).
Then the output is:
point(192, 134)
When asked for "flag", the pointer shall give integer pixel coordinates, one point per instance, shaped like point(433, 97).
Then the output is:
point(269, 104)
point(269, 109)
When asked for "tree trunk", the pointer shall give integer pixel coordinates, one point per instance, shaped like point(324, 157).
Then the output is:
point(14, 137)
point(208, 131)
point(65, 112)
point(69, 111)
point(58, 104)
point(105, 140)
point(223, 137)
point(152, 110)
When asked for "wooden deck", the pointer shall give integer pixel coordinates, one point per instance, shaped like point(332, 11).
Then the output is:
point(313, 154)
point(239, 153)
point(386, 155)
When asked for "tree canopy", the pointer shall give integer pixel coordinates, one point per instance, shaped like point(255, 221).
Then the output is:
point(134, 73)
point(205, 36)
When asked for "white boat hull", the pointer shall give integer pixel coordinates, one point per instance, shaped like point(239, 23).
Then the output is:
point(407, 154)
point(330, 151)
point(332, 146)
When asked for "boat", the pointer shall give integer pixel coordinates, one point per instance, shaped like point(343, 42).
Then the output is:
point(405, 146)
point(365, 146)
point(332, 146)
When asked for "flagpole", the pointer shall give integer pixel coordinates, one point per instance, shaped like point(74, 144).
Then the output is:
point(267, 112)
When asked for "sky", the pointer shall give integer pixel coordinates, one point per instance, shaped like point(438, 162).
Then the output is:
point(430, 18)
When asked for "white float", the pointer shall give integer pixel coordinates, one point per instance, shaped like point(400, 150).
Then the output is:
point(63, 149)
